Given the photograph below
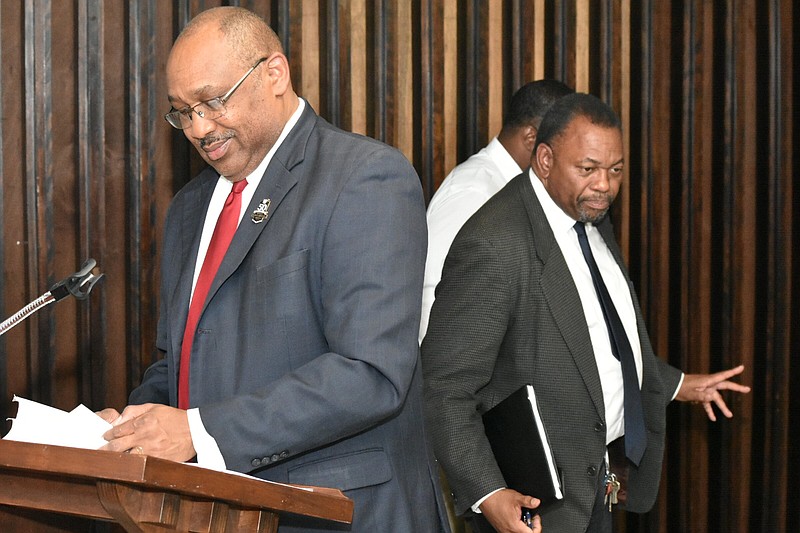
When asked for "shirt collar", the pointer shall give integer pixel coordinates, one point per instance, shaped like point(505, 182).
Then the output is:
point(498, 153)
point(560, 222)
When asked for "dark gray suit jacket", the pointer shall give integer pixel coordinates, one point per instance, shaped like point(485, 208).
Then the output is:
point(305, 365)
point(507, 313)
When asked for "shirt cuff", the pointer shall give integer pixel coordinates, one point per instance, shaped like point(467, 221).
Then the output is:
point(477, 507)
point(680, 382)
point(208, 454)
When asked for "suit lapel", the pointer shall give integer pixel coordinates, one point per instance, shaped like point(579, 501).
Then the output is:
point(562, 296)
point(277, 181)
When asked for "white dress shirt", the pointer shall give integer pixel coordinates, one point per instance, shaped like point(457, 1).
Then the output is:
point(608, 366)
point(208, 453)
point(462, 192)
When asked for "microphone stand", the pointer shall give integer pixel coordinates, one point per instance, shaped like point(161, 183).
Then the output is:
point(79, 285)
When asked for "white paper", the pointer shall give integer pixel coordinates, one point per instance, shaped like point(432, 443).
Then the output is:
point(41, 424)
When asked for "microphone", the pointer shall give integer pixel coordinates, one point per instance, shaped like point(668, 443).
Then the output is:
point(79, 285)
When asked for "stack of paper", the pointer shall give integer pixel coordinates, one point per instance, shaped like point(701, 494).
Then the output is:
point(40, 424)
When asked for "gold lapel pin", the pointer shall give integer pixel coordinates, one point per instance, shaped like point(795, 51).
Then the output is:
point(261, 212)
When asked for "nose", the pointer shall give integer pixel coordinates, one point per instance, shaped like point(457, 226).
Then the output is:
point(200, 127)
point(601, 180)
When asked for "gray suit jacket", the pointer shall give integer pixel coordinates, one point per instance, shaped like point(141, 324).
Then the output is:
point(305, 362)
point(507, 313)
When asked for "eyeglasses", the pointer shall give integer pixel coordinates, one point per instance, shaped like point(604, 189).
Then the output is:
point(209, 109)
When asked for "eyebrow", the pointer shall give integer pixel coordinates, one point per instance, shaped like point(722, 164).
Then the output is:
point(598, 163)
point(197, 94)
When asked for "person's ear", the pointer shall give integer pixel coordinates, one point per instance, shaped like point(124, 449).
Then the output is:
point(529, 137)
point(542, 161)
point(279, 74)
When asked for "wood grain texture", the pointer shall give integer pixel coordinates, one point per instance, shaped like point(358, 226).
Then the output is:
point(707, 96)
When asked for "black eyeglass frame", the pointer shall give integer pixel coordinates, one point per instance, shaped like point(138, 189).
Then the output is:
point(182, 118)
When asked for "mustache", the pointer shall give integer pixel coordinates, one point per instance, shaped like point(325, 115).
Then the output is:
point(213, 138)
point(602, 196)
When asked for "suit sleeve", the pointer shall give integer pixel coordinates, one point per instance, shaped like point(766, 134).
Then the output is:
point(468, 322)
point(671, 376)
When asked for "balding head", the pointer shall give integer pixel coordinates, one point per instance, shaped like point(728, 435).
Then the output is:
point(246, 35)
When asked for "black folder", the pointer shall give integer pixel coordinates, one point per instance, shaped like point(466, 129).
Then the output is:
point(519, 441)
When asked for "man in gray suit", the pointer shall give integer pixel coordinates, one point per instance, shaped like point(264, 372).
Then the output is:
point(301, 362)
point(518, 304)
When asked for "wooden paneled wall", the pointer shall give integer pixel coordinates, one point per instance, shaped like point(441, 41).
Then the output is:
point(707, 91)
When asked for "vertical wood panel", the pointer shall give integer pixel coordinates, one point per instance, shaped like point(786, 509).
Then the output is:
point(14, 345)
point(309, 23)
point(358, 66)
point(451, 87)
point(620, 99)
point(38, 177)
point(698, 95)
point(538, 40)
point(91, 177)
point(581, 35)
point(777, 476)
point(494, 74)
point(429, 137)
point(741, 242)
point(404, 77)
point(650, 129)
point(3, 240)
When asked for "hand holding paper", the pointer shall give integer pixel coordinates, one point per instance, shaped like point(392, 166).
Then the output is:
point(153, 429)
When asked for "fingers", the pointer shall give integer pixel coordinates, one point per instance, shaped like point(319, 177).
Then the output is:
point(732, 386)
point(722, 406)
point(108, 414)
point(121, 429)
point(159, 430)
point(709, 411)
point(719, 401)
point(121, 435)
point(725, 375)
point(123, 444)
point(530, 502)
point(537, 524)
point(134, 411)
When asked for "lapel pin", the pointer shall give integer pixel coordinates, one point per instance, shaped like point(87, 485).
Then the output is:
point(261, 212)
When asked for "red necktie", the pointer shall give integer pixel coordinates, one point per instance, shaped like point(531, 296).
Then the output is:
point(223, 234)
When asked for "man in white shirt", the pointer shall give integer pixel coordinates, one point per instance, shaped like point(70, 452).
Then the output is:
point(525, 298)
point(478, 178)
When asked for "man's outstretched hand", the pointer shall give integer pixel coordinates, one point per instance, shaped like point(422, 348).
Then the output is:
point(705, 389)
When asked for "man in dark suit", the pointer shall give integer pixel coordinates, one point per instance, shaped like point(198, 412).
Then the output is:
point(518, 304)
point(300, 363)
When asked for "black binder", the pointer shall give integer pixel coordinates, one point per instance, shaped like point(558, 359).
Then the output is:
point(519, 441)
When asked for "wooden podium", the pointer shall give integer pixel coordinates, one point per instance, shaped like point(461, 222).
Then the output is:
point(146, 494)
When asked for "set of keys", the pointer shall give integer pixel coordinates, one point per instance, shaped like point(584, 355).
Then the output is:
point(612, 489)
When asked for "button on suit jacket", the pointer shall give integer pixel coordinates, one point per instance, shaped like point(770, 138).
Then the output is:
point(507, 313)
point(305, 361)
